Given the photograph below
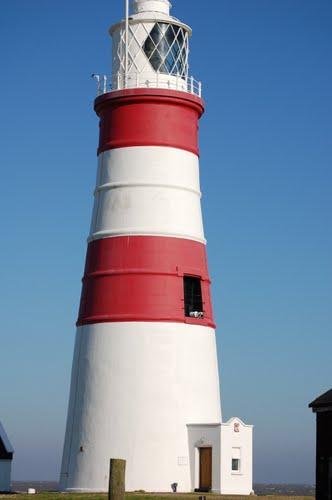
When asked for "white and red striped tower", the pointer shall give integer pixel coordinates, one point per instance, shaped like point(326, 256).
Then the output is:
point(145, 372)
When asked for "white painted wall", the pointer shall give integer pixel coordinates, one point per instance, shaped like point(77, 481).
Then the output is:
point(236, 482)
point(135, 387)
point(148, 191)
point(5, 475)
point(151, 5)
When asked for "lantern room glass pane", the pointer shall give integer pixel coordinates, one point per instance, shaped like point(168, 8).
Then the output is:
point(166, 48)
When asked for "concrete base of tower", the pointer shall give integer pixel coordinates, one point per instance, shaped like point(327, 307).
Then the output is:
point(134, 389)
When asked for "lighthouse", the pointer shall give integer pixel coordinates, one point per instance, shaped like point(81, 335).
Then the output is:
point(145, 384)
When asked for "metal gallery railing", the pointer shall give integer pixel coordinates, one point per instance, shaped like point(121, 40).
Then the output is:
point(107, 84)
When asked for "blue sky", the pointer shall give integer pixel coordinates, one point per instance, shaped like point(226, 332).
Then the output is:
point(266, 154)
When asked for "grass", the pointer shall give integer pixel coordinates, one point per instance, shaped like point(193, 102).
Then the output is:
point(147, 496)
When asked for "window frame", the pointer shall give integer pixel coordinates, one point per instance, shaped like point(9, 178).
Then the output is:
point(238, 470)
point(191, 303)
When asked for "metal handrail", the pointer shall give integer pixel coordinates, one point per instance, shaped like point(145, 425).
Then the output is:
point(106, 84)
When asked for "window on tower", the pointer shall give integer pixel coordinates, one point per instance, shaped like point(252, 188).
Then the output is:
point(166, 47)
point(235, 464)
point(193, 302)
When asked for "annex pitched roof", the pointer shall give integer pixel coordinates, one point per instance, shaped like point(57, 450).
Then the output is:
point(6, 449)
point(323, 401)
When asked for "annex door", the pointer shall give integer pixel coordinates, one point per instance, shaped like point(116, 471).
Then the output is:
point(205, 469)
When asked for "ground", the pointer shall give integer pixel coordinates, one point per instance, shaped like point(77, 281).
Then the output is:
point(145, 496)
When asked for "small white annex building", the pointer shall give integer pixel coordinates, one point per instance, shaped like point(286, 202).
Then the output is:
point(221, 457)
point(6, 457)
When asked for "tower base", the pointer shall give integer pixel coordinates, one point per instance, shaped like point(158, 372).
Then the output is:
point(135, 388)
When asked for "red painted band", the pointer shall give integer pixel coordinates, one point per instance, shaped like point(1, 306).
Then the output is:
point(140, 278)
point(149, 117)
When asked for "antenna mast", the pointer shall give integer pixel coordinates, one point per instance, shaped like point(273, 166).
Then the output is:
point(126, 41)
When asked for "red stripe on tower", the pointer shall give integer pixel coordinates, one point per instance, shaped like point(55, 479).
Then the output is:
point(141, 278)
point(149, 117)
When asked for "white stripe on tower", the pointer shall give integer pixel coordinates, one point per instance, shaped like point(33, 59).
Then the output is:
point(148, 190)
